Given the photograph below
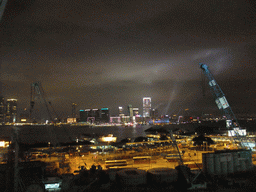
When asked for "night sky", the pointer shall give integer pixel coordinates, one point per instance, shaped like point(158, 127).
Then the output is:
point(110, 53)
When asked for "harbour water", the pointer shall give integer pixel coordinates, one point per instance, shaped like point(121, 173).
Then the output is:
point(66, 133)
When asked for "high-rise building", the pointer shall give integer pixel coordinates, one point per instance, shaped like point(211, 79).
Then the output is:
point(96, 114)
point(154, 113)
point(105, 115)
point(146, 106)
point(11, 110)
point(84, 114)
point(120, 111)
point(130, 111)
point(135, 111)
point(74, 110)
point(2, 111)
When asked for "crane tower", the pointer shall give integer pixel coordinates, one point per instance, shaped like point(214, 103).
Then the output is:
point(38, 91)
point(222, 102)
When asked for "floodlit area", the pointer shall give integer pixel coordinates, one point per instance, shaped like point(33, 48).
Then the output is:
point(162, 153)
point(147, 156)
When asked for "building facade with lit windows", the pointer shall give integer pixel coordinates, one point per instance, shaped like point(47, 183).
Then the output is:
point(154, 114)
point(120, 111)
point(2, 110)
point(94, 115)
point(146, 106)
point(84, 114)
point(135, 111)
point(105, 115)
point(130, 110)
point(11, 111)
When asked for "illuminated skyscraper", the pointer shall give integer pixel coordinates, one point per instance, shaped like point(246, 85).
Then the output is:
point(2, 111)
point(135, 111)
point(96, 114)
point(11, 110)
point(90, 115)
point(84, 114)
point(130, 111)
point(146, 106)
point(154, 113)
point(105, 115)
point(120, 111)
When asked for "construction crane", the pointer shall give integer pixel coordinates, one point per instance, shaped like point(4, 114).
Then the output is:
point(38, 91)
point(222, 103)
point(2, 8)
point(188, 178)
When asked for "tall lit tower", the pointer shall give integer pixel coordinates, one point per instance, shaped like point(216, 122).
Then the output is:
point(105, 115)
point(74, 110)
point(146, 106)
point(120, 110)
point(11, 110)
point(130, 111)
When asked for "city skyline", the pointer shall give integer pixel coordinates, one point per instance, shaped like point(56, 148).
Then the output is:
point(5, 109)
point(8, 114)
point(114, 53)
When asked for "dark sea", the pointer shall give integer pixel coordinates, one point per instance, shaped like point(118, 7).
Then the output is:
point(66, 133)
point(47, 133)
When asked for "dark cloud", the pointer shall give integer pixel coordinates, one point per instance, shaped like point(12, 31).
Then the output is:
point(111, 53)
